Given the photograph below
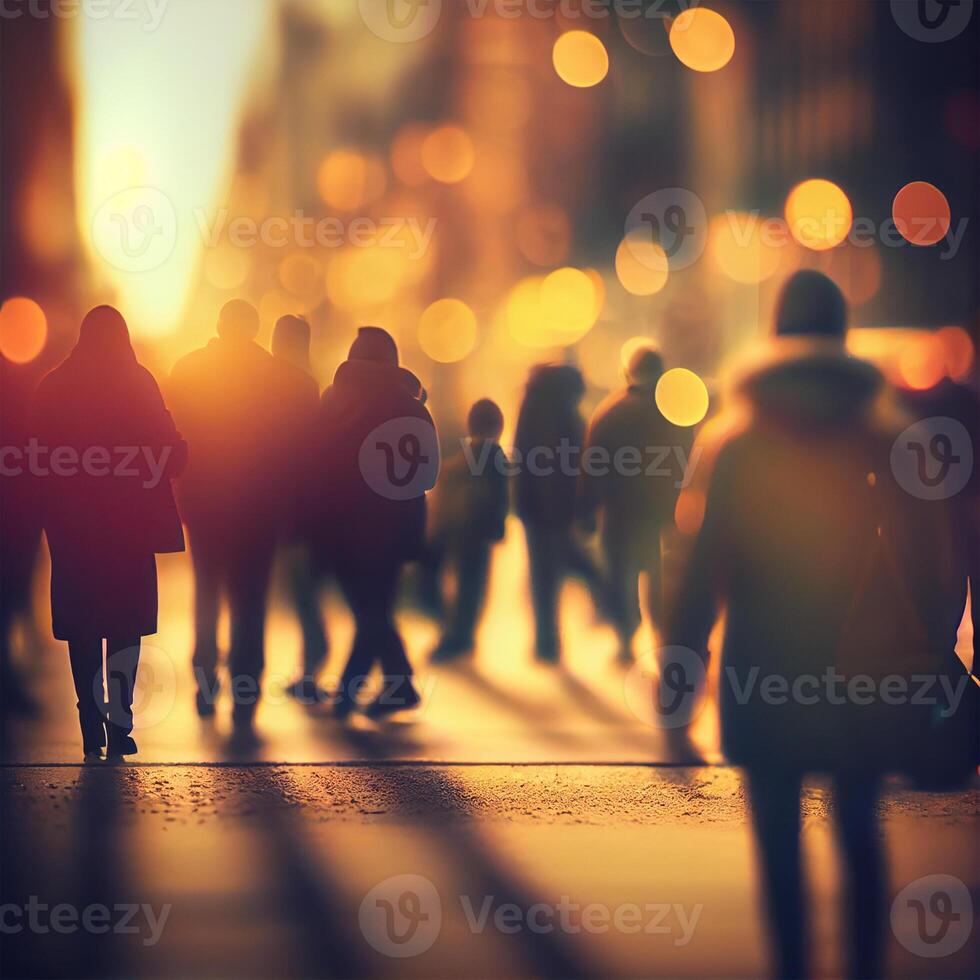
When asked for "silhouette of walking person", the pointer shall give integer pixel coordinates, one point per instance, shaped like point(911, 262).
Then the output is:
point(20, 531)
point(469, 509)
point(240, 412)
point(107, 509)
point(291, 346)
point(800, 503)
point(376, 455)
point(548, 442)
point(633, 503)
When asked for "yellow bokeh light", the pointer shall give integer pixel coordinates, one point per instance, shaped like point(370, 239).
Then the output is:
point(641, 265)
point(552, 311)
point(227, 267)
point(922, 363)
point(448, 154)
point(819, 214)
point(958, 352)
point(302, 276)
point(447, 330)
point(580, 59)
point(740, 248)
point(23, 329)
point(682, 397)
point(702, 39)
point(360, 279)
point(348, 180)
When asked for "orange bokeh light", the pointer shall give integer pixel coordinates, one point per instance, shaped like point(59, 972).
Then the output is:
point(348, 180)
point(740, 248)
point(819, 214)
point(23, 329)
point(702, 39)
point(921, 213)
point(922, 363)
point(958, 351)
point(448, 154)
point(580, 59)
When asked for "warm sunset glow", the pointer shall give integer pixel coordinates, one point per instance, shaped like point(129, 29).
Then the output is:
point(544, 234)
point(448, 154)
point(689, 511)
point(641, 265)
point(580, 59)
point(447, 330)
point(631, 346)
point(922, 363)
point(552, 311)
point(819, 214)
point(921, 213)
point(348, 180)
point(226, 267)
point(702, 39)
point(361, 279)
point(740, 249)
point(682, 397)
point(23, 329)
point(406, 155)
point(302, 276)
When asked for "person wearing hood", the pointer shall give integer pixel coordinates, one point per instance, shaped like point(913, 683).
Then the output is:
point(241, 413)
point(107, 508)
point(805, 534)
point(291, 347)
point(376, 454)
point(548, 442)
point(634, 505)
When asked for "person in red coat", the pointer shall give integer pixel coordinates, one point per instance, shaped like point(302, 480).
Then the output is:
point(107, 451)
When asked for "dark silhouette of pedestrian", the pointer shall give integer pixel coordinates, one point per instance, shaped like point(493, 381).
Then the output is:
point(291, 346)
point(20, 528)
point(822, 565)
point(375, 456)
point(111, 450)
point(469, 509)
point(241, 412)
point(548, 445)
point(633, 468)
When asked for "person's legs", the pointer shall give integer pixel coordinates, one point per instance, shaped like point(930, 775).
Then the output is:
point(304, 592)
point(207, 585)
point(122, 662)
point(472, 572)
point(85, 655)
point(650, 560)
point(864, 873)
point(543, 561)
point(775, 807)
point(248, 587)
point(622, 572)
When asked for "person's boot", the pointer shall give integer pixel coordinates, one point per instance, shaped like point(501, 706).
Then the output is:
point(398, 694)
point(93, 736)
point(206, 695)
point(307, 692)
point(120, 741)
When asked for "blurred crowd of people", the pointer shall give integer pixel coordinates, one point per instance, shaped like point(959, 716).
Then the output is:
point(806, 543)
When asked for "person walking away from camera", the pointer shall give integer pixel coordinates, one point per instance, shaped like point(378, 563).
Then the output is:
point(238, 408)
point(376, 454)
point(106, 511)
point(633, 504)
point(800, 505)
point(469, 511)
point(548, 441)
point(291, 347)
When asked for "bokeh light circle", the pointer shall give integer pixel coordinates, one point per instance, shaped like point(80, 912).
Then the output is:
point(580, 59)
point(447, 330)
point(958, 352)
point(702, 39)
point(682, 397)
point(921, 213)
point(448, 154)
point(23, 329)
point(740, 248)
point(819, 214)
point(348, 180)
point(641, 265)
point(922, 363)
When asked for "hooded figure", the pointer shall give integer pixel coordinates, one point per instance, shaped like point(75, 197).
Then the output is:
point(242, 413)
point(635, 500)
point(548, 443)
point(376, 455)
point(107, 507)
point(826, 571)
